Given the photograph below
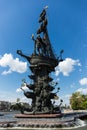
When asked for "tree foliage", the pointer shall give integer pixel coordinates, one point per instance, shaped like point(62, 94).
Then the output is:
point(78, 101)
point(16, 106)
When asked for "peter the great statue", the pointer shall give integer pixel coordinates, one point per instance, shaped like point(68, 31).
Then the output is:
point(42, 62)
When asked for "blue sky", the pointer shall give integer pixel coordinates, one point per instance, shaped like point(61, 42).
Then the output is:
point(67, 27)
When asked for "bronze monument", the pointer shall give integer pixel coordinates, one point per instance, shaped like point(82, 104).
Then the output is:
point(42, 62)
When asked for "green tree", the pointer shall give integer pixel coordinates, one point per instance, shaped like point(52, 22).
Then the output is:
point(84, 105)
point(16, 106)
point(78, 101)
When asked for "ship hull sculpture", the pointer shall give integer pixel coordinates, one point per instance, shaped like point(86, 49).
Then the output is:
point(42, 63)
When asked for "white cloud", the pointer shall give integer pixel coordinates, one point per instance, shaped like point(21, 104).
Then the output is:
point(83, 81)
point(67, 96)
point(22, 97)
point(66, 67)
point(14, 65)
point(9, 96)
point(6, 72)
point(18, 90)
point(24, 87)
point(25, 99)
point(82, 90)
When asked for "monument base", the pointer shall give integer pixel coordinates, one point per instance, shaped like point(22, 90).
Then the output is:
point(23, 121)
point(38, 115)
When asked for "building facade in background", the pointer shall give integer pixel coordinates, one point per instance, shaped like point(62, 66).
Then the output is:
point(5, 106)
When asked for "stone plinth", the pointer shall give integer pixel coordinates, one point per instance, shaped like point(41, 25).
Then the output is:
point(38, 116)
